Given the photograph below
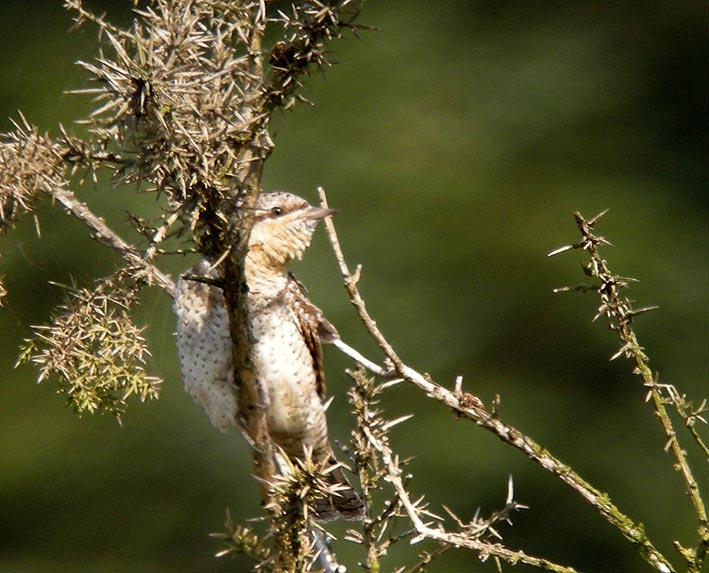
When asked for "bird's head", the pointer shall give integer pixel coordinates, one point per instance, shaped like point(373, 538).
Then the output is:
point(283, 226)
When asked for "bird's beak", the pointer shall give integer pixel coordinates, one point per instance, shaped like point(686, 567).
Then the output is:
point(316, 213)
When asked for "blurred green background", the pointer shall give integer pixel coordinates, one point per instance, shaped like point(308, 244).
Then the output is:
point(457, 141)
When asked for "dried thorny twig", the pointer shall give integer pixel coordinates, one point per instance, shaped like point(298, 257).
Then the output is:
point(380, 468)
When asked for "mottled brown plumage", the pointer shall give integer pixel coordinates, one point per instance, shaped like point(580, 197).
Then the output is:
point(287, 354)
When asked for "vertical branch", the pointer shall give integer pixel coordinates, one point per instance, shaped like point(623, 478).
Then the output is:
point(619, 314)
point(239, 212)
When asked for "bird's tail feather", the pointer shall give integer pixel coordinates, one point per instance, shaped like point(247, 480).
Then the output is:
point(343, 501)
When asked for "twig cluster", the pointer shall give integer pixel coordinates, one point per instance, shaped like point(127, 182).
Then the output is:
point(378, 465)
point(183, 99)
point(95, 349)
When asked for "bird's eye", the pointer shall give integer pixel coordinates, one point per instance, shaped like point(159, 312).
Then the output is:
point(276, 211)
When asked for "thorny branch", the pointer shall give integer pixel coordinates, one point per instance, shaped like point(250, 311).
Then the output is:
point(184, 99)
point(470, 535)
point(620, 314)
point(469, 406)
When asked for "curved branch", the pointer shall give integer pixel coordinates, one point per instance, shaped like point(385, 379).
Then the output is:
point(468, 406)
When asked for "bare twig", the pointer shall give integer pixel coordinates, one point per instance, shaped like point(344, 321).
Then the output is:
point(102, 233)
point(467, 538)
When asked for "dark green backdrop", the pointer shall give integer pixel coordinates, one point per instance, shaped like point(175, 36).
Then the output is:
point(457, 141)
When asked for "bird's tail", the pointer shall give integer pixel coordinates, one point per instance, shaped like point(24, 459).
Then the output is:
point(343, 501)
point(340, 499)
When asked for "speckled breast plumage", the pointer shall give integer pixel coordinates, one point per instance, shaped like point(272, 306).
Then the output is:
point(204, 348)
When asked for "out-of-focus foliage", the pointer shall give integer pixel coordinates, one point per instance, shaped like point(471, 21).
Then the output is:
point(456, 141)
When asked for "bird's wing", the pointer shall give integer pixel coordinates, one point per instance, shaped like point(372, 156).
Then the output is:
point(204, 347)
point(314, 327)
point(326, 330)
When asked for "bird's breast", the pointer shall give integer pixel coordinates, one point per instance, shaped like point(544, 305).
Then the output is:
point(285, 368)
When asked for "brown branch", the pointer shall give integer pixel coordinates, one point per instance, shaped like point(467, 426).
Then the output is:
point(467, 406)
point(239, 212)
point(104, 234)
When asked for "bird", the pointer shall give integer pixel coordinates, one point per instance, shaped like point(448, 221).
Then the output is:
point(288, 331)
